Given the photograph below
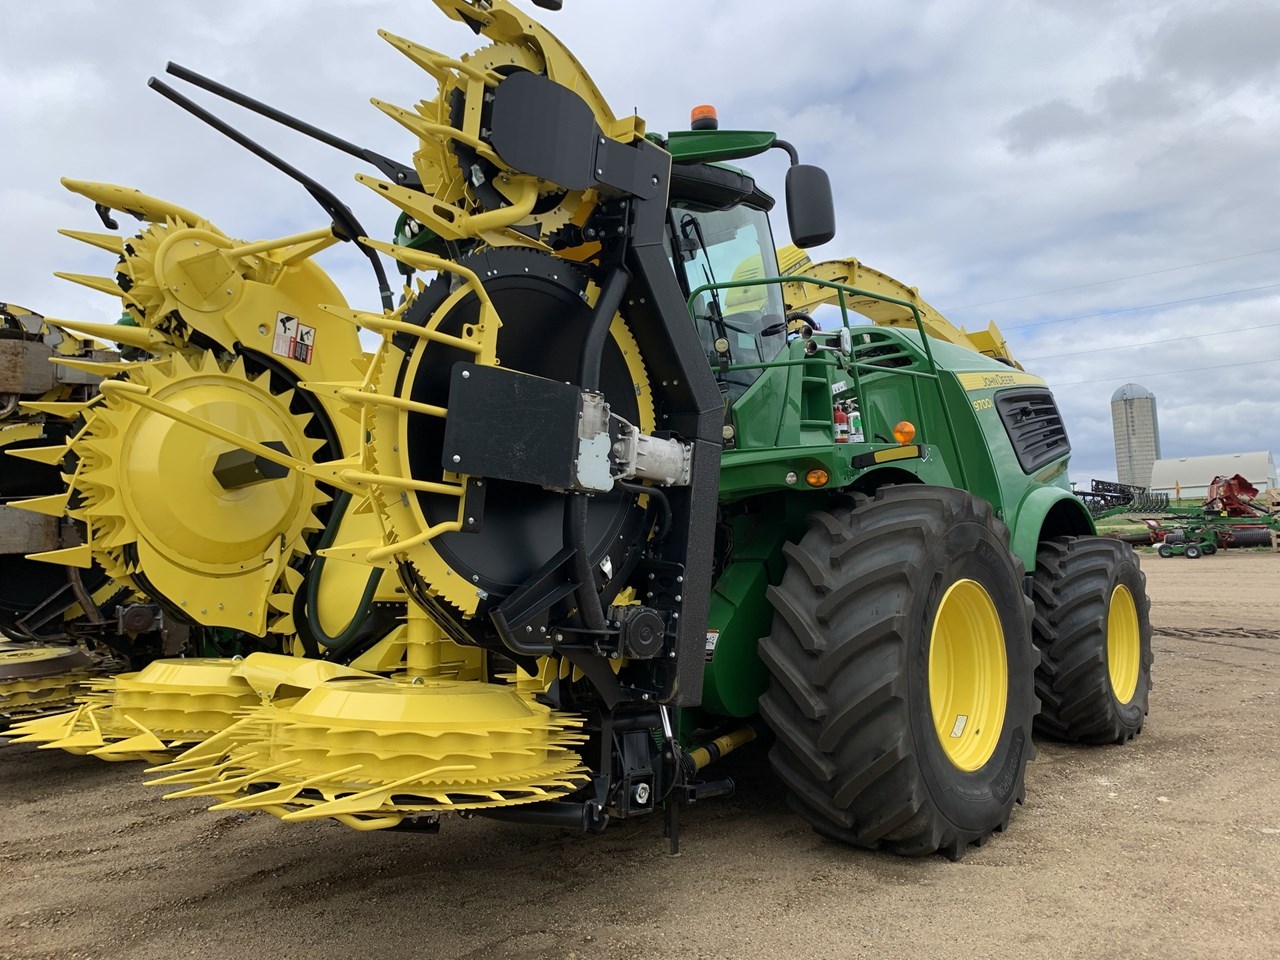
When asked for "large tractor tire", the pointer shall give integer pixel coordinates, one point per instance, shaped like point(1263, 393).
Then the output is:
point(1093, 628)
point(901, 670)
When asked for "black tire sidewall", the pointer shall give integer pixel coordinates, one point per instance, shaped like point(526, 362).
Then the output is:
point(970, 800)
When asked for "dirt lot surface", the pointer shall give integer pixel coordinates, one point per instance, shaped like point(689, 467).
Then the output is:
point(1168, 847)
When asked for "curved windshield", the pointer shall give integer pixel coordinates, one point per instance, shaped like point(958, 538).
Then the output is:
point(720, 246)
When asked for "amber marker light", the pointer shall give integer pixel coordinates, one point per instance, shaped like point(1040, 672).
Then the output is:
point(904, 431)
point(817, 477)
point(703, 117)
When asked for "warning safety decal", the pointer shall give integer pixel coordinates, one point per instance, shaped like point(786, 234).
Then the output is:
point(293, 340)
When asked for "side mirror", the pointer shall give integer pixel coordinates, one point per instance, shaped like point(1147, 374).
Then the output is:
point(811, 211)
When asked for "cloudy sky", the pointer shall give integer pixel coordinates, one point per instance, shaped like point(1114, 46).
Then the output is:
point(1104, 185)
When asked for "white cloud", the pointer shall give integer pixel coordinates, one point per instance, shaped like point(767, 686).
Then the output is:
point(979, 150)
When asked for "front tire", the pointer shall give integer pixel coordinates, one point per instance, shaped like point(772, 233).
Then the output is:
point(1093, 628)
point(901, 673)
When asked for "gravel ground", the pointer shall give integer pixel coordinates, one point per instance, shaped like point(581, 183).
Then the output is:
point(1168, 847)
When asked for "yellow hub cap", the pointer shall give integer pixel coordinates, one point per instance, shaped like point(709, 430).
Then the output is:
point(1124, 644)
point(968, 675)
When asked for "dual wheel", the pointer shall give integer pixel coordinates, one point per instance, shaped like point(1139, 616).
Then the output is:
point(908, 666)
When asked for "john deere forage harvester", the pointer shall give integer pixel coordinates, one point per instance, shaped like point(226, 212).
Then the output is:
point(598, 458)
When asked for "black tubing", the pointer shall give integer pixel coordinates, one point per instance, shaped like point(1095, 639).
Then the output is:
point(552, 813)
point(312, 619)
point(575, 509)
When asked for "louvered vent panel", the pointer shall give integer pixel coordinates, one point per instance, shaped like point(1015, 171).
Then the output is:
point(1034, 425)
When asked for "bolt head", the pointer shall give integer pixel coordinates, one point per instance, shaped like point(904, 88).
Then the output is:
point(642, 793)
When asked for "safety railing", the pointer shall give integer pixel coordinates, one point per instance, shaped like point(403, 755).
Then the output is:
point(852, 364)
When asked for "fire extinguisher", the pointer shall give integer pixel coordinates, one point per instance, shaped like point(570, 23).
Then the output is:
point(841, 420)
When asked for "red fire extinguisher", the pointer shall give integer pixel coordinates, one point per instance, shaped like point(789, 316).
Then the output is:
point(841, 420)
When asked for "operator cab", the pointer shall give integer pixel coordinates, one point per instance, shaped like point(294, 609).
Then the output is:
point(734, 244)
point(718, 232)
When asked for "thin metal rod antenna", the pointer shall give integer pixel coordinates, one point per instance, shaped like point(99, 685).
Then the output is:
point(399, 172)
point(345, 224)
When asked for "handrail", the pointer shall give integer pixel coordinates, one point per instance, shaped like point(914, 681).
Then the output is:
point(854, 366)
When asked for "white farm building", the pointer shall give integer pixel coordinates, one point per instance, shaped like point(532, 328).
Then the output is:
point(1188, 478)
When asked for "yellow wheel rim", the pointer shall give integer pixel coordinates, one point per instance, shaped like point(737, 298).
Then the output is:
point(968, 675)
point(1124, 644)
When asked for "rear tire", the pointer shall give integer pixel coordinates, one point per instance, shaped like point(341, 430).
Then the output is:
point(1209, 549)
point(1165, 552)
point(1095, 645)
point(849, 700)
point(1192, 552)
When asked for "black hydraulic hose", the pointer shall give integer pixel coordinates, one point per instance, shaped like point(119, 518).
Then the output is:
point(659, 497)
point(312, 618)
point(575, 536)
point(598, 329)
point(575, 509)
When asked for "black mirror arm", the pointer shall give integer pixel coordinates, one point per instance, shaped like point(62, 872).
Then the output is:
point(791, 151)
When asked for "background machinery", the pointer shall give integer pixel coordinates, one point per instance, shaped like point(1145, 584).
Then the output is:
point(1232, 515)
point(61, 623)
point(609, 483)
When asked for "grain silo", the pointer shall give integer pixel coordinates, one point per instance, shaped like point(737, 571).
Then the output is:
point(1137, 433)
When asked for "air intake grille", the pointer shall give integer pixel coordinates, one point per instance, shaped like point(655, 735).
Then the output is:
point(1034, 426)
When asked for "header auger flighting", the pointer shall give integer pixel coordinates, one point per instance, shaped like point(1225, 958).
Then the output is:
point(603, 479)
